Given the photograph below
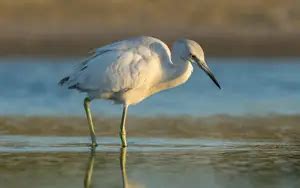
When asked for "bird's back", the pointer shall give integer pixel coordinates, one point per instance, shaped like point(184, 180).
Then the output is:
point(121, 70)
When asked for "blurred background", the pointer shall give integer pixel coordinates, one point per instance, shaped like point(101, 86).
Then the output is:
point(253, 48)
point(223, 27)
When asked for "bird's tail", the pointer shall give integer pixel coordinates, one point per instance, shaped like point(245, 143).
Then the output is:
point(69, 84)
point(64, 80)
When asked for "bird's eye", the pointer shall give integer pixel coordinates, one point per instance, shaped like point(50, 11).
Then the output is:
point(193, 56)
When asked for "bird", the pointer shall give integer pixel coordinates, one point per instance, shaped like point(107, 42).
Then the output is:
point(130, 70)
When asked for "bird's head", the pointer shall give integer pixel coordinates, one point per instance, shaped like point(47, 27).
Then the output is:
point(189, 50)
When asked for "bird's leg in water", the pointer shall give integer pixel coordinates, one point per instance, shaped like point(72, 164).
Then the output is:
point(122, 127)
point(90, 121)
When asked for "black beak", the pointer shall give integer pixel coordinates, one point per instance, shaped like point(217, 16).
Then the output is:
point(206, 69)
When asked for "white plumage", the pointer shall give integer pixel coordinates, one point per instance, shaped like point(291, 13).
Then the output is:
point(136, 64)
point(128, 71)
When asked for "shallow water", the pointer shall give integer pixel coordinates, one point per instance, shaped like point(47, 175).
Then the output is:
point(148, 162)
point(250, 86)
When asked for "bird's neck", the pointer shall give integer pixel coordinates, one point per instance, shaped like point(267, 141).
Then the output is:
point(175, 74)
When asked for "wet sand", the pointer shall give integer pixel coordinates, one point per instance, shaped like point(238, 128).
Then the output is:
point(279, 127)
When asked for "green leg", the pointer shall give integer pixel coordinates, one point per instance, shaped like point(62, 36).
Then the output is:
point(90, 121)
point(122, 127)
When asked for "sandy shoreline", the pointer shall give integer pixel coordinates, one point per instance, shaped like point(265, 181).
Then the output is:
point(278, 127)
point(261, 45)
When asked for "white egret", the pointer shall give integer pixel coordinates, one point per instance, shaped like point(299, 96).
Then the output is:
point(129, 71)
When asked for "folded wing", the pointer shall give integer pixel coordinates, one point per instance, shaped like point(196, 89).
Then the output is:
point(117, 67)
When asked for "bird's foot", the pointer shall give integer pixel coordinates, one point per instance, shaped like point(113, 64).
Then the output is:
point(93, 145)
point(123, 139)
point(124, 145)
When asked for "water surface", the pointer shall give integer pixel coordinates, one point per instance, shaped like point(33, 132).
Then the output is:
point(250, 86)
point(67, 162)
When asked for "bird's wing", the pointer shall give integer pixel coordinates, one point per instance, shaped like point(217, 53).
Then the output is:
point(120, 66)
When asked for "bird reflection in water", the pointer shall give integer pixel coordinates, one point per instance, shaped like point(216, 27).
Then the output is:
point(90, 168)
point(123, 153)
